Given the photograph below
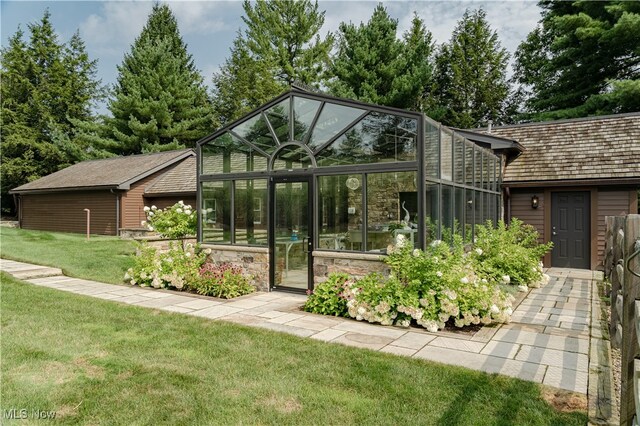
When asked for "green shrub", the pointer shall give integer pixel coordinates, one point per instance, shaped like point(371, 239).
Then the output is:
point(222, 280)
point(328, 297)
point(176, 221)
point(509, 254)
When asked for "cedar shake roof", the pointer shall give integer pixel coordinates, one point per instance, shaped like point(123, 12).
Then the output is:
point(599, 148)
point(108, 173)
point(180, 179)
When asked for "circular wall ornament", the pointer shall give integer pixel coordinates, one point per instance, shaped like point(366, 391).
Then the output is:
point(353, 183)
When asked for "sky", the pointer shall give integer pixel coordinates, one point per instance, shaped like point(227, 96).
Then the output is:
point(209, 27)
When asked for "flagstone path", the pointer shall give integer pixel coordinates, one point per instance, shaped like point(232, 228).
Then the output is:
point(549, 340)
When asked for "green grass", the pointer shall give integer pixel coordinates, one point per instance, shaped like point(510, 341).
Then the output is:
point(99, 362)
point(101, 258)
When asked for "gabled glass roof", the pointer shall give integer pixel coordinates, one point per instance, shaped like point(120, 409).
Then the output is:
point(332, 132)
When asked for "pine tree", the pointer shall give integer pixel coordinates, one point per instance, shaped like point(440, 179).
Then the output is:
point(279, 47)
point(284, 34)
point(373, 65)
point(471, 86)
point(46, 85)
point(159, 101)
point(242, 84)
point(582, 59)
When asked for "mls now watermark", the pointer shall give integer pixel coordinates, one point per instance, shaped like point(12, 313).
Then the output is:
point(23, 413)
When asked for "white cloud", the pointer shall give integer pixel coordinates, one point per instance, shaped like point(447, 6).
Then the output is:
point(198, 17)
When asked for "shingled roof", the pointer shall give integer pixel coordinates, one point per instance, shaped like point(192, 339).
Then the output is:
point(591, 148)
point(179, 180)
point(108, 173)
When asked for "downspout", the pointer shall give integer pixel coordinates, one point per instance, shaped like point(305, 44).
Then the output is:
point(18, 204)
point(117, 212)
point(507, 193)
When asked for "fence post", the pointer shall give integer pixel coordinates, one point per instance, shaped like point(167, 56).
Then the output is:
point(630, 349)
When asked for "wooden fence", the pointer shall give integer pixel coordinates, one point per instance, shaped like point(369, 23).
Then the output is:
point(622, 268)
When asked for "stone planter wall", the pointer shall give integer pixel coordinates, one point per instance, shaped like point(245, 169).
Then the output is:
point(355, 264)
point(255, 261)
point(162, 244)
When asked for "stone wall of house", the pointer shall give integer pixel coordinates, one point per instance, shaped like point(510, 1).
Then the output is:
point(355, 264)
point(255, 260)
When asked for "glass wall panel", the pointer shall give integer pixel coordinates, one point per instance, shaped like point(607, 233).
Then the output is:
point(432, 150)
point(378, 138)
point(477, 152)
point(291, 158)
point(340, 212)
point(228, 154)
point(468, 163)
point(447, 213)
point(392, 209)
point(446, 154)
point(485, 170)
point(332, 121)
point(256, 131)
point(432, 218)
point(216, 212)
point(478, 199)
point(469, 218)
point(278, 116)
point(459, 208)
point(304, 111)
point(250, 212)
point(498, 178)
point(486, 207)
point(458, 159)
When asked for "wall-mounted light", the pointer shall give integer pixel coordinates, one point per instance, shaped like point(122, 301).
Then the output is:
point(535, 202)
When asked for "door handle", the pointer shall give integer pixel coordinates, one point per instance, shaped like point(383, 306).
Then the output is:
point(554, 233)
point(306, 243)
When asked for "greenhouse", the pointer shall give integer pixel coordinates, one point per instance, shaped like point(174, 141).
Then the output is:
point(310, 184)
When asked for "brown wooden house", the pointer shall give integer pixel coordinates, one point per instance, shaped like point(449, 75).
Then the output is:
point(570, 175)
point(112, 189)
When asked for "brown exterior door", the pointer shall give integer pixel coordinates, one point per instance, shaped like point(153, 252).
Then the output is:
point(570, 229)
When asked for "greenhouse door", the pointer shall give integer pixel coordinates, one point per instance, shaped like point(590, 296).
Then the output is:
point(291, 233)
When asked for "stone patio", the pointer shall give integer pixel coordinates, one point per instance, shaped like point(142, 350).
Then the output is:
point(548, 340)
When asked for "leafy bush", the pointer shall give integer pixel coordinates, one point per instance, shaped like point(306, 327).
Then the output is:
point(222, 280)
point(429, 287)
point(177, 268)
point(176, 221)
point(510, 254)
point(328, 298)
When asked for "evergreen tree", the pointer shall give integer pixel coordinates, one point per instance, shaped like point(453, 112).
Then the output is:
point(159, 101)
point(242, 84)
point(471, 87)
point(582, 59)
point(46, 85)
point(280, 46)
point(372, 65)
point(284, 34)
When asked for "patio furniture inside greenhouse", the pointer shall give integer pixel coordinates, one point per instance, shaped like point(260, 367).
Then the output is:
point(310, 184)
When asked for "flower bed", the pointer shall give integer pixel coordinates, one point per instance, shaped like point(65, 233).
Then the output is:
point(183, 268)
point(443, 284)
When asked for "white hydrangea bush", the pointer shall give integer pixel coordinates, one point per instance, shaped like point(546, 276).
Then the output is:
point(177, 221)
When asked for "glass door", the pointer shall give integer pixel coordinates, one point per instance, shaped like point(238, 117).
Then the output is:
point(292, 233)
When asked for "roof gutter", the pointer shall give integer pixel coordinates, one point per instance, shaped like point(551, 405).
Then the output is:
point(63, 189)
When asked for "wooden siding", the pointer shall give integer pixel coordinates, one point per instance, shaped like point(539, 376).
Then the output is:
point(163, 202)
point(64, 212)
point(521, 208)
point(132, 201)
point(610, 203)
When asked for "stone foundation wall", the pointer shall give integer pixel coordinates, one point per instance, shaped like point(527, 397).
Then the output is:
point(255, 260)
point(355, 264)
point(162, 244)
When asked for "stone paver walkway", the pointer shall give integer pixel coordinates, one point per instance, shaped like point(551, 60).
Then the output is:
point(548, 341)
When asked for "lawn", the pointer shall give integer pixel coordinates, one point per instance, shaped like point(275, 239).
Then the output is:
point(99, 362)
point(101, 259)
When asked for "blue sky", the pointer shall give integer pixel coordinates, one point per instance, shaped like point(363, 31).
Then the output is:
point(209, 27)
